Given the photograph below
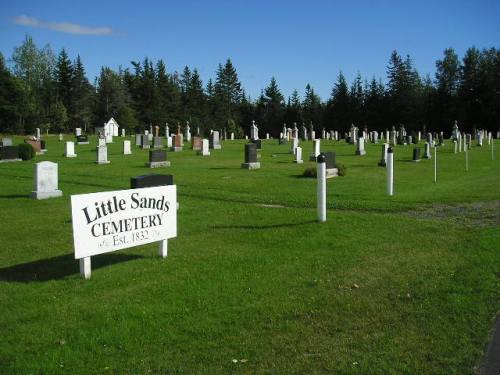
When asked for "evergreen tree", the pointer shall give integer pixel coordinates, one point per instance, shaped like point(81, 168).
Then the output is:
point(63, 78)
point(294, 109)
point(469, 88)
point(311, 107)
point(82, 97)
point(357, 102)
point(338, 111)
point(274, 109)
point(11, 99)
point(447, 80)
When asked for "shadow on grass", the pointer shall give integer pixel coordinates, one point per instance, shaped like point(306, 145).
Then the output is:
point(8, 196)
point(270, 226)
point(57, 267)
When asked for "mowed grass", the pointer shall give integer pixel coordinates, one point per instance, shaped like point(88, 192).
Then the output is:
point(252, 283)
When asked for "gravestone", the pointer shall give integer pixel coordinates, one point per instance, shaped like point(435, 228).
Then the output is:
point(316, 150)
point(6, 142)
point(250, 157)
point(37, 145)
point(232, 136)
point(375, 137)
point(9, 154)
point(60, 137)
point(204, 151)
point(416, 154)
point(70, 150)
point(82, 140)
point(45, 181)
point(254, 131)
point(295, 144)
point(331, 170)
point(123, 132)
point(468, 140)
point(298, 155)
point(158, 158)
point(196, 143)
point(138, 139)
point(169, 141)
point(178, 140)
point(214, 141)
point(145, 141)
point(188, 132)
point(427, 151)
point(38, 133)
point(126, 148)
point(303, 133)
point(409, 139)
point(101, 142)
point(78, 132)
point(455, 146)
point(102, 155)
point(151, 180)
point(383, 157)
point(360, 147)
point(157, 142)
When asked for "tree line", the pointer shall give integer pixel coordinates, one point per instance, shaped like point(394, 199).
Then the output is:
point(40, 89)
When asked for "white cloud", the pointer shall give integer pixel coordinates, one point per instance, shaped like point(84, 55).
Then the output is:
point(63, 27)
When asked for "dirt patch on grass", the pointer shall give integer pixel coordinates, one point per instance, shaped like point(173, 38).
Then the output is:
point(483, 214)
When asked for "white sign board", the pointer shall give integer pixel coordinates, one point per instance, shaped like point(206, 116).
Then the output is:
point(114, 220)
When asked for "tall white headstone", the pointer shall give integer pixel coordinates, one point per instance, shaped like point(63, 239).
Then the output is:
point(46, 181)
point(205, 151)
point(298, 155)
point(70, 150)
point(126, 148)
point(102, 155)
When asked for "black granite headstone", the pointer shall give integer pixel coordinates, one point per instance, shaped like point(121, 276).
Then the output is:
point(416, 153)
point(9, 152)
point(157, 155)
point(329, 159)
point(158, 142)
point(250, 153)
point(82, 138)
point(150, 180)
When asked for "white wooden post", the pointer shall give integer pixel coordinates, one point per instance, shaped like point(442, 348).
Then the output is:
point(435, 164)
point(85, 267)
point(321, 188)
point(163, 248)
point(390, 172)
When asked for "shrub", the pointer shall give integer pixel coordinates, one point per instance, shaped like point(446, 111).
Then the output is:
point(310, 172)
point(26, 151)
point(341, 169)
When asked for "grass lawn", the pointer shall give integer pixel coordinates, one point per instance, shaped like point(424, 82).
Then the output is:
point(253, 284)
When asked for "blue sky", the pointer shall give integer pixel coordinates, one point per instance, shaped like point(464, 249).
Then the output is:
point(298, 42)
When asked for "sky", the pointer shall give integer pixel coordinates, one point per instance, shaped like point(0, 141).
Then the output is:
point(297, 42)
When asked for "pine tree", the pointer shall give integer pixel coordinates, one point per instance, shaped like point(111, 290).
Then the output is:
point(338, 112)
point(63, 78)
point(11, 99)
point(274, 109)
point(311, 107)
point(82, 97)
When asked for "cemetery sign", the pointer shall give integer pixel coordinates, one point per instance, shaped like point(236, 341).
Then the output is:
point(114, 220)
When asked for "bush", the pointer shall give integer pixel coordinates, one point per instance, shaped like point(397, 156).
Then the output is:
point(310, 172)
point(26, 151)
point(341, 169)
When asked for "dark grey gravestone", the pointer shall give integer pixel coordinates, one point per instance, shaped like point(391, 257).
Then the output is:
point(158, 142)
point(145, 141)
point(42, 144)
point(82, 140)
point(330, 160)
point(250, 157)
point(150, 180)
point(158, 158)
point(416, 154)
point(9, 153)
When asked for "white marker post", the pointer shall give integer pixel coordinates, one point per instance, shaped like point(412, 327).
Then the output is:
point(390, 172)
point(321, 190)
point(466, 159)
point(435, 164)
point(492, 152)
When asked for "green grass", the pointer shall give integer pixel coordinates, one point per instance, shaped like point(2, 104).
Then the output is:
point(374, 290)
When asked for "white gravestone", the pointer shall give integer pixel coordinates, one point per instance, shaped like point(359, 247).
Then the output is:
point(169, 141)
point(232, 136)
point(101, 142)
point(78, 132)
point(123, 132)
point(316, 150)
point(102, 155)
point(46, 181)
point(70, 150)
point(60, 137)
point(38, 134)
point(295, 144)
point(298, 155)
point(360, 149)
point(126, 148)
point(204, 148)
